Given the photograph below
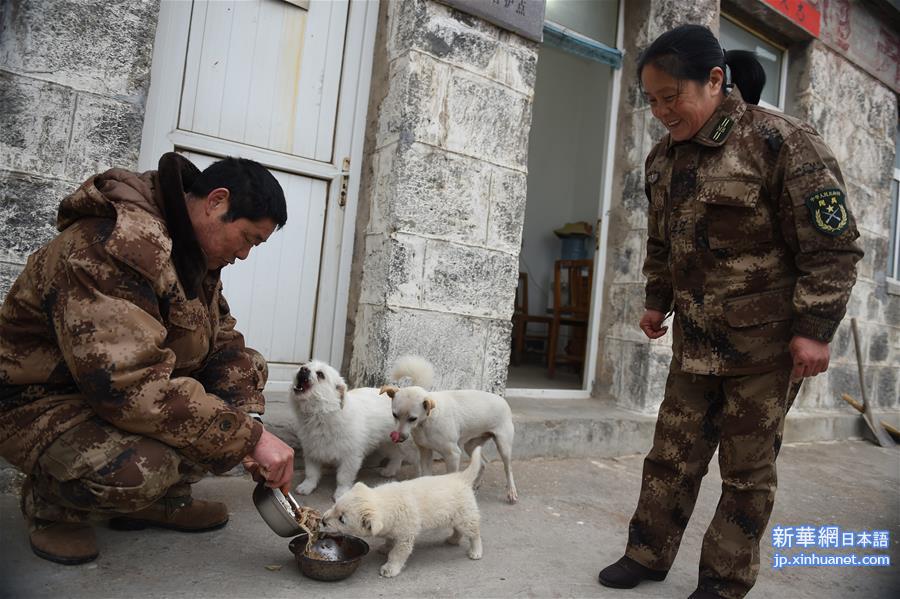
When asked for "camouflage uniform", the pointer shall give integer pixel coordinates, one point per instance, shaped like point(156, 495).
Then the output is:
point(121, 372)
point(750, 242)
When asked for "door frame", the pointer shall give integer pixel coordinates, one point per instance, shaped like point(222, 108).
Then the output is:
point(605, 200)
point(161, 134)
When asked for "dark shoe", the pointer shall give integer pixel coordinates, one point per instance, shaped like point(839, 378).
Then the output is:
point(627, 573)
point(64, 543)
point(701, 594)
point(184, 514)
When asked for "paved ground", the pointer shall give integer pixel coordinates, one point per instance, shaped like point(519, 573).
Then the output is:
point(571, 520)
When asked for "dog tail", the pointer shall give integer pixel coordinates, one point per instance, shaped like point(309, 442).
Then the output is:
point(470, 474)
point(418, 370)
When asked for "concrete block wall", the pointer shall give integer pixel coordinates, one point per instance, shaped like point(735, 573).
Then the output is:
point(443, 195)
point(857, 116)
point(632, 367)
point(73, 83)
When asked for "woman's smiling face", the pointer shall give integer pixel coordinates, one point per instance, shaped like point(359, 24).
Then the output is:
point(682, 106)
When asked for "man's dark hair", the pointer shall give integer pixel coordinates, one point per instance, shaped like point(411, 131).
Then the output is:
point(689, 52)
point(254, 192)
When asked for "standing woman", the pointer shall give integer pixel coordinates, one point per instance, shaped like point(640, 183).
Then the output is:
point(750, 242)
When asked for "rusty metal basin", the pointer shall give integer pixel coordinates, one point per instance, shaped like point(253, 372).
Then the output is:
point(341, 556)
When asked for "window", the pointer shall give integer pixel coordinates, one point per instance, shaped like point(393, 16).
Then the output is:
point(893, 271)
point(774, 58)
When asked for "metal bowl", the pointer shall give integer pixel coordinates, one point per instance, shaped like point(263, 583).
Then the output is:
point(276, 510)
point(344, 554)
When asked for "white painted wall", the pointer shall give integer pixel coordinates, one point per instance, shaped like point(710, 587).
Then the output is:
point(565, 160)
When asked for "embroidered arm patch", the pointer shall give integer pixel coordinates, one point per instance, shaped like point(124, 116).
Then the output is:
point(828, 212)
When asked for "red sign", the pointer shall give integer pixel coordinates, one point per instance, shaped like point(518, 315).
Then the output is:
point(800, 12)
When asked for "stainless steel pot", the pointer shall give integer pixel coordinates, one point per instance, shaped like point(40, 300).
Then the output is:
point(277, 510)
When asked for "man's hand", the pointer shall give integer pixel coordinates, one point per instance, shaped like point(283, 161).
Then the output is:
point(272, 459)
point(809, 356)
point(651, 324)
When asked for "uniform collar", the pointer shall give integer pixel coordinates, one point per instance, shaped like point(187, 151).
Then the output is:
point(719, 126)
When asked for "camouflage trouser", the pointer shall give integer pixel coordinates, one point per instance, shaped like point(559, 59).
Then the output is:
point(95, 471)
point(744, 417)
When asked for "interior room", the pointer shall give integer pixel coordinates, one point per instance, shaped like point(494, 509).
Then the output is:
point(570, 122)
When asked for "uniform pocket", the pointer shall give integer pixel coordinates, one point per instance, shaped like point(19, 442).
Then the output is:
point(188, 334)
point(760, 308)
point(735, 216)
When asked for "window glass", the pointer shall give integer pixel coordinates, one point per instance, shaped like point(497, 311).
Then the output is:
point(595, 19)
point(894, 242)
point(735, 37)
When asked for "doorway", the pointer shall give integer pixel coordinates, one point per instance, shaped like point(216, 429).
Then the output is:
point(283, 83)
point(568, 177)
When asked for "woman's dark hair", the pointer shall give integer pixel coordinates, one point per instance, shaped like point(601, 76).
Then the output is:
point(254, 192)
point(691, 51)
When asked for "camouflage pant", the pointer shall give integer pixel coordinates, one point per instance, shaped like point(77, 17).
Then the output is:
point(744, 417)
point(95, 471)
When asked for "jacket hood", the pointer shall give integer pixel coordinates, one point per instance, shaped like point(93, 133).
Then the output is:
point(152, 222)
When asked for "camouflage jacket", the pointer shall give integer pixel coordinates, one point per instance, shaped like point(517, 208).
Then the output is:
point(117, 318)
point(750, 239)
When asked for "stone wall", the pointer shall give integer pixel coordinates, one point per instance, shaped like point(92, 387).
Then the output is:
point(857, 115)
point(443, 196)
point(73, 82)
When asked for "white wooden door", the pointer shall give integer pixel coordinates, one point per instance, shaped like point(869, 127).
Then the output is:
point(273, 292)
point(285, 83)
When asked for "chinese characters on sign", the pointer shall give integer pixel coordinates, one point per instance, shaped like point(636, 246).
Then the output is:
point(525, 17)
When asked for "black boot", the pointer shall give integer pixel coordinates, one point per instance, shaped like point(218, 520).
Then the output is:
point(702, 594)
point(627, 573)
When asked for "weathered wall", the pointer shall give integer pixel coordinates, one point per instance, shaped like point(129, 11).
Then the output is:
point(73, 81)
point(857, 115)
point(445, 192)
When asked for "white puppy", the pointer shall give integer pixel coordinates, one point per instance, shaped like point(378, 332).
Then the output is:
point(440, 420)
point(399, 511)
point(341, 427)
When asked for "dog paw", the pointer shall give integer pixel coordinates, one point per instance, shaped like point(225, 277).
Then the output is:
point(338, 492)
point(512, 496)
point(390, 570)
point(305, 488)
point(474, 554)
point(453, 539)
point(388, 472)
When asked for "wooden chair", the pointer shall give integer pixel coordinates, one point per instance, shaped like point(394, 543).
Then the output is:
point(571, 307)
point(520, 320)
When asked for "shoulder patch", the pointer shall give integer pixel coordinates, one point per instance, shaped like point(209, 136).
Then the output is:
point(828, 212)
point(722, 128)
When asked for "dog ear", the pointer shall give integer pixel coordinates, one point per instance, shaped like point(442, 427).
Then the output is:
point(391, 390)
point(428, 404)
point(342, 392)
point(371, 522)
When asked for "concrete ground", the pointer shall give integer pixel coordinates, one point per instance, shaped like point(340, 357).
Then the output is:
point(571, 520)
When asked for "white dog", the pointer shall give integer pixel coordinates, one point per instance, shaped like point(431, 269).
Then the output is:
point(440, 420)
point(340, 426)
point(399, 511)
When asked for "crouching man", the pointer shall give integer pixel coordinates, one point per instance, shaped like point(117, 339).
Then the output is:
point(122, 377)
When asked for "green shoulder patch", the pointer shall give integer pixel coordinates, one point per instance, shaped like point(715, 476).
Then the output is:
point(828, 212)
point(722, 128)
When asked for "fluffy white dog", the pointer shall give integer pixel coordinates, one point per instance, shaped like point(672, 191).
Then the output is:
point(341, 427)
point(399, 511)
point(440, 420)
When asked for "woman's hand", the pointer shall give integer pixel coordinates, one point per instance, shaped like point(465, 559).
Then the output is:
point(651, 324)
point(809, 356)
